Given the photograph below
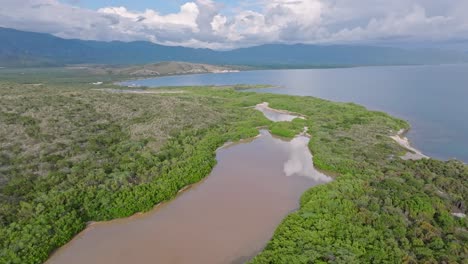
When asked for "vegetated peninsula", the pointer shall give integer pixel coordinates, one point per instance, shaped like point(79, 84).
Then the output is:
point(156, 69)
point(71, 153)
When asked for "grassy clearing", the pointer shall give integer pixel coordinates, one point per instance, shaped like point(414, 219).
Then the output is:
point(70, 154)
point(288, 129)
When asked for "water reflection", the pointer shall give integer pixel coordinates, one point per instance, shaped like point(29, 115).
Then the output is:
point(299, 162)
point(230, 215)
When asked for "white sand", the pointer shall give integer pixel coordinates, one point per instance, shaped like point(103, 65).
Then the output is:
point(413, 154)
point(276, 115)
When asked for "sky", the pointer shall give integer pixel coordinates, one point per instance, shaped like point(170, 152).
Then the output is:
point(228, 24)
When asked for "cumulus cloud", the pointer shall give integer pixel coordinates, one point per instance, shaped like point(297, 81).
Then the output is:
point(207, 23)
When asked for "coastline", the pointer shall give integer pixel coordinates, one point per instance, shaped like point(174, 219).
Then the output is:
point(403, 141)
point(263, 107)
point(138, 215)
point(90, 226)
point(140, 78)
point(399, 137)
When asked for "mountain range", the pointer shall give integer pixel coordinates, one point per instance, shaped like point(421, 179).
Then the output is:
point(30, 49)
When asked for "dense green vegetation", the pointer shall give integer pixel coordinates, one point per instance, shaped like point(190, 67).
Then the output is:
point(288, 129)
point(380, 209)
point(70, 154)
point(399, 214)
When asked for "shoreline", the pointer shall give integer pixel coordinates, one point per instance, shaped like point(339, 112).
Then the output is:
point(400, 138)
point(91, 225)
point(140, 78)
point(263, 107)
point(403, 141)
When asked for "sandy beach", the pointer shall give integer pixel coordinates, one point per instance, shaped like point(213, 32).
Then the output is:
point(413, 154)
point(275, 114)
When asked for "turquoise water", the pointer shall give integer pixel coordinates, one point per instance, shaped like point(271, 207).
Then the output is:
point(434, 99)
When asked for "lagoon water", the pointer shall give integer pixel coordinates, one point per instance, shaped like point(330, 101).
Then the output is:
point(226, 218)
point(434, 99)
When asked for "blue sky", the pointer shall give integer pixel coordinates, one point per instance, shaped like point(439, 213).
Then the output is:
point(227, 24)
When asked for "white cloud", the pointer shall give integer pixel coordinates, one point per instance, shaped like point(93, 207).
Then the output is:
point(415, 23)
point(306, 13)
point(207, 23)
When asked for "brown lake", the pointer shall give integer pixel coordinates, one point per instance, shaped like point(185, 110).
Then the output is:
point(227, 218)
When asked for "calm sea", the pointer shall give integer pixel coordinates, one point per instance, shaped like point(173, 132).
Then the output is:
point(434, 99)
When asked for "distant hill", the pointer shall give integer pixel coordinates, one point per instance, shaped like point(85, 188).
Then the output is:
point(156, 69)
point(23, 49)
point(19, 48)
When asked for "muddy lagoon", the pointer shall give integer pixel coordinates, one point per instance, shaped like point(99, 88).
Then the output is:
point(227, 218)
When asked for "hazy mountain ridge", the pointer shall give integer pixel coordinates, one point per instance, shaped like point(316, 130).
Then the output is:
point(19, 48)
